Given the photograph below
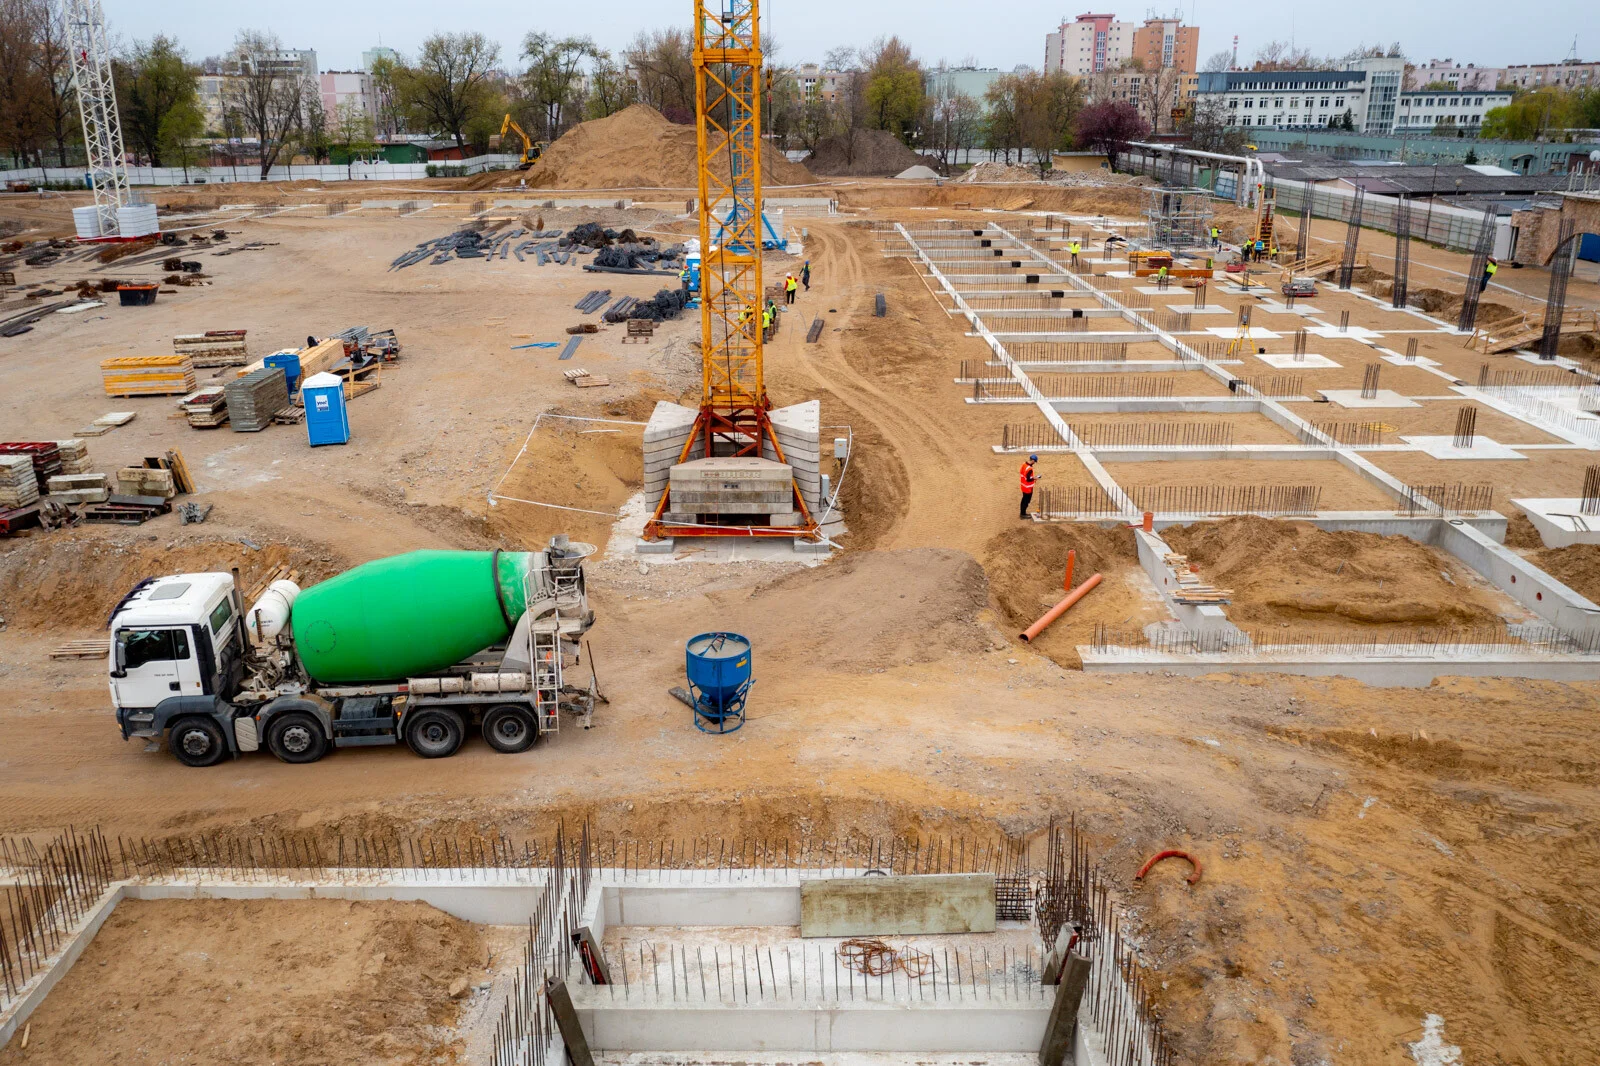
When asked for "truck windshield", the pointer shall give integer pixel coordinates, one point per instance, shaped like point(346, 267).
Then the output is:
point(142, 646)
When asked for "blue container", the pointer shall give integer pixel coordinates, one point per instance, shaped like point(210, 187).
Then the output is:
point(290, 363)
point(327, 419)
point(718, 665)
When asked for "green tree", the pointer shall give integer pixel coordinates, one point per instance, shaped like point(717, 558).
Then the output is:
point(262, 98)
point(181, 130)
point(610, 88)
point(385, 87)
point(554, 76)
point(449, 83)
point(155, 78)
point(316, 136)
point(353, 131)
point(894, 92)
point(1471, 157)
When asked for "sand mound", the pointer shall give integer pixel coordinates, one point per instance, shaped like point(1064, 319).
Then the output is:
point(1293, 573)
point(877, 153)
point(873, 609)
point(638, 148)
point(1577, 567)
point(73, 578)
point(917, 173)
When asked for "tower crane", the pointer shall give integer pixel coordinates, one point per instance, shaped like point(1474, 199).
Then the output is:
point(734, 406)
point(97, 104)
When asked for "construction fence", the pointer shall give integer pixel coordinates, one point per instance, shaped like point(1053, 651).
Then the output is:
point(249, 172)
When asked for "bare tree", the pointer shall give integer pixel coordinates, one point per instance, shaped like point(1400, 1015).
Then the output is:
point(610, 88)
point(54, 65)
point(555, 68)
point(449, 83)
point(1218, 61)
point(1158, 94)
point(1281, 55)
point(266, 95)
point(664, 68)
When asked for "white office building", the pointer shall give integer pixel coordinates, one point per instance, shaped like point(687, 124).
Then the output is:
point(1425, 110)
point(1309, 99)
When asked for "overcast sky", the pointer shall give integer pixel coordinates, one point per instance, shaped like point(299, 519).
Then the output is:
point(1007, 33)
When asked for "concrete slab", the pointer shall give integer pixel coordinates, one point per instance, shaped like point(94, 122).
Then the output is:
point(1353, 398)
point(887, 906)
point(1400, 360)
point(1354, 333)
point(1208, 309)
point(1290, 361)
point(1278, 307)
point(1561, 522)
point(1482, 448)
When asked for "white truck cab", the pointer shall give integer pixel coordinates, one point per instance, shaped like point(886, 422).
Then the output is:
point(167, 639)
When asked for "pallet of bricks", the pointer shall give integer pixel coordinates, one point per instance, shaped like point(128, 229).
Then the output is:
point(255, 398)
point(148, 375)
point(216, 347)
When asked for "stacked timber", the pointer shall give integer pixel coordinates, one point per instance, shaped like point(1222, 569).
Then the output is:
point(313, 360)
point(143, 481)
point(148, 375)
point(215, 347)
point(74, 455)
point(206, 408)
point(255, 398)
point(18, 486)
point(79, 488)
point(1192, 590)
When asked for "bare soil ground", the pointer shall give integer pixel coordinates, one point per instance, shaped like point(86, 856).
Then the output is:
point(1371, 855)
point(292, 982)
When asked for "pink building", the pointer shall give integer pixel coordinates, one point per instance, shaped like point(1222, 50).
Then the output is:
point(348, 87)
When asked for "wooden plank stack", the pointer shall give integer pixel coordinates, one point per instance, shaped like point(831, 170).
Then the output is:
point(1191, 589)
point(314, 360)
point(215, 347)
point(18, 485)
point(148, 375)
point(255, 398)
point(206, 408)
point(74, 455)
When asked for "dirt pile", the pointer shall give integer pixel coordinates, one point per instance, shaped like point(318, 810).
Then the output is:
point(638, 148)
point(877, 153)
point(1292, 573)
point(325, 980)
point(919, 605)
point(1026, 567)
point(74, 578)
point(999, 172)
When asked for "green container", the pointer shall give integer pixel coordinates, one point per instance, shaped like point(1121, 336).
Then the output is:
point(408, 615)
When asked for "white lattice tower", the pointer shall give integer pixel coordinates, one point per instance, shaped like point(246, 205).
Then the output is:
point(97, 103)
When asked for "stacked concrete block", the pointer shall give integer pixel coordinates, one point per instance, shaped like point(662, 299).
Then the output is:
point(74, 456)
point(144, 481)
point(799, 432)
point(18, 485)
point(79, 488)
point(664, 437)
point(745, 486)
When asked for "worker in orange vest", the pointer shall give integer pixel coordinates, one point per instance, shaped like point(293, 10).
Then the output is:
point(1028, 479)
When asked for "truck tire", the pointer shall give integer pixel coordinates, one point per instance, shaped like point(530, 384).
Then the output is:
point(296, 737)
point(197, 742)
point(509, 729)
point(434, 734)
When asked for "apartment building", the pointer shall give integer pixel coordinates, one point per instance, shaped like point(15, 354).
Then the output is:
point(1566, 75)
point(1089, 44)
point(1166, 42)
point(1465, 77)
point(348, 88)
point(1309, 99)
point(818, 84)
point(1425, 110)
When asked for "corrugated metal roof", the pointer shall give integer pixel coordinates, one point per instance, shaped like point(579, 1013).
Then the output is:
point(1419, 180)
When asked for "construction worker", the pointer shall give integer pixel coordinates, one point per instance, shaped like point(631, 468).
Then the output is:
point(1216, 238)
point(683, 278)
point(744, 318)
point(766, 323)
point(805, 274)
point(1490, 268)
point(1261, 246)
point(1272, 253)
point(1074, 248)
point(1028, 479)
point(789, 287)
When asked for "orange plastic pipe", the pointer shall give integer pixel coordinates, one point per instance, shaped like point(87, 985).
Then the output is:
point(1059, 609)
point(1066, 582)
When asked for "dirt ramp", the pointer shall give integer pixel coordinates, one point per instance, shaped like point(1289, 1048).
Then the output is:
point(872, 609)
point(638, 148)
point(1294, 573)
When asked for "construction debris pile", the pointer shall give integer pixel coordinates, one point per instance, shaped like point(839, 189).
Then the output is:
point(667, 303)
point(475, 243)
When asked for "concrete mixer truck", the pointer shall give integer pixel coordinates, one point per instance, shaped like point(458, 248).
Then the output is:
point(419, 648)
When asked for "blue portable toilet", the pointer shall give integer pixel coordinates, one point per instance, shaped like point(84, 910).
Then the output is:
point(327, 420)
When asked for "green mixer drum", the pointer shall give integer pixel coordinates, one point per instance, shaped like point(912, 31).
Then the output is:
point(408, 614)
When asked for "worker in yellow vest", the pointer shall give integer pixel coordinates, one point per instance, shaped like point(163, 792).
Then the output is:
point(1216, 237)
point(1489, 270)
point(744, 319)
point(789, 287)
point(766, 323)
point(1074, 248)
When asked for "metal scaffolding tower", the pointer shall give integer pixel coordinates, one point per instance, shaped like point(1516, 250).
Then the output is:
point(734, 406)
point(97, 103)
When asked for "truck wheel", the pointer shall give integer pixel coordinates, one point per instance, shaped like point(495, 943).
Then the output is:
point(295, 737)
point(197, 742)
point(509, 729)
point(434, 734)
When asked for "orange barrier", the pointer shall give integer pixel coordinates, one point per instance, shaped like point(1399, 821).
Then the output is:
point(1059, 609)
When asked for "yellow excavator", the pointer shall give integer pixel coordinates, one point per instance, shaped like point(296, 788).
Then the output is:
point(531, 149)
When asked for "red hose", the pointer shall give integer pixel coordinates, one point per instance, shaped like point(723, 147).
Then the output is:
point(1170, 853)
